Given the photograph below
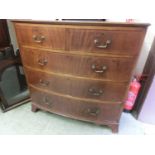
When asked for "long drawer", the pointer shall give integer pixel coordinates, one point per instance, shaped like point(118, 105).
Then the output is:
point(76, 109)
point(93, 89)
point(106, 68)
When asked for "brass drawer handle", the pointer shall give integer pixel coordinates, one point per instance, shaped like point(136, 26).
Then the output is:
point(42, 62)
point(94, 92)
point(38, 39)
point(102, 70)
point(46, 101)
point(93, 111)
point(104, 45)
point(44, 82)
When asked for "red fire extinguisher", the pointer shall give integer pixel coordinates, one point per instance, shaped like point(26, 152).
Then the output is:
point(132, 95)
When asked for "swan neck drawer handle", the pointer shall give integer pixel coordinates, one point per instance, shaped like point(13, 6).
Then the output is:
point(102, 45)
point(102, 70)
point(94, 92)
point(44, 82)
point(42, 62)
point(38, 38)
point(46, 101)
point(93, 111)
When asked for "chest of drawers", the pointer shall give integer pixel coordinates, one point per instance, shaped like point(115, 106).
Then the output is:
point(80, 70)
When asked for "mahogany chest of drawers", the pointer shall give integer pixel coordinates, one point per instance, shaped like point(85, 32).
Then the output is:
point(80, 70)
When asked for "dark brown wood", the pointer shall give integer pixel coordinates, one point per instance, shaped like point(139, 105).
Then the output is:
point(147, 78)
point(5, 41)
point(34, 108)
point(114, 127)
point(78, 65)
point(67, 64)
point(76, 109)
point(98, 90)
point(4, 34)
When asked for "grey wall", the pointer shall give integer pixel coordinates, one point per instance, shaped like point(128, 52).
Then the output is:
point(12, 34)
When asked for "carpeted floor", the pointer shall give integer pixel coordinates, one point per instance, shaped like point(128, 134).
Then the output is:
point(22, 121)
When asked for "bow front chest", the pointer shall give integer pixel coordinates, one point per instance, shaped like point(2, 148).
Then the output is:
point(80, 70)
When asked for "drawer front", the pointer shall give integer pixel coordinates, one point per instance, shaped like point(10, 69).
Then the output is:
point(41, 36)
point(106, 41)
point(103, 91)
point(76, 109)
point(117, 69)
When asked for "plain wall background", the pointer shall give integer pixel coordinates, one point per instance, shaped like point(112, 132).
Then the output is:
point(144, 51)
point(12, 35)
point(146, 47)
point(147, 113)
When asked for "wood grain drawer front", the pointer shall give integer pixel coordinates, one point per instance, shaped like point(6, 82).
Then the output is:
point(103, 91)
point(76, 109)
point(105, 41)
point(41, 36)
point(117, 69)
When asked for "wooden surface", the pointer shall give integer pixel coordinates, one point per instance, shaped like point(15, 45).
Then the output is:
point(81, 66)
point(78, 69)
point(94, 89)
point(4, 34)
point(83, 23)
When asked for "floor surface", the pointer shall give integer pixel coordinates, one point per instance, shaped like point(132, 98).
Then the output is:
point(22, 121)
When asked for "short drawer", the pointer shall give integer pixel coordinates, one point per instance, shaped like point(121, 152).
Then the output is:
point(87, 89)
point(106, 68)
point(41, 36)
point(102, 41)
point(76, 109)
